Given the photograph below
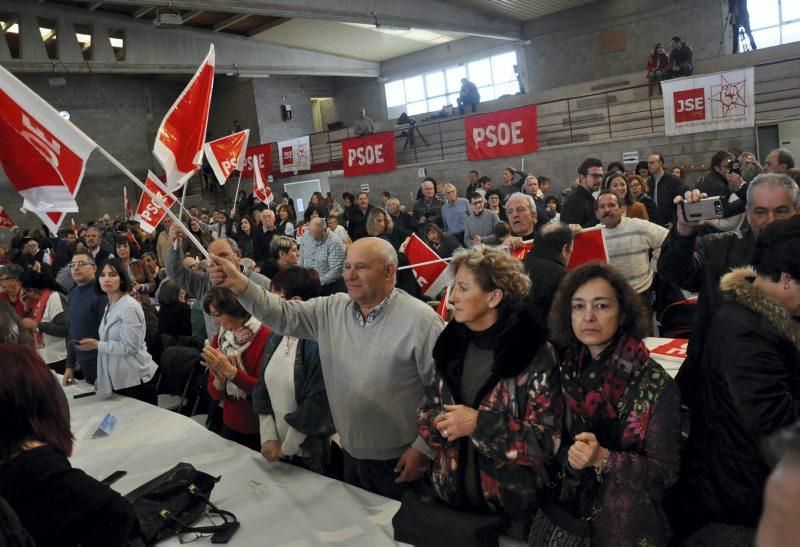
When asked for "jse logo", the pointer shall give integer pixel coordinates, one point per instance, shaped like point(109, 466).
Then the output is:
point(288, 155)
point(690, 105)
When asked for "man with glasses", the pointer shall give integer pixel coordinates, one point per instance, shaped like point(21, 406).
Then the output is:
point(85, 310)
point(579, 207)
point(480, 224)
point(664, 188)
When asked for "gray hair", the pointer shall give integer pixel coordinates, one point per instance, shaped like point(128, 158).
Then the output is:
point(388, 252)
point(281, 243)
point(95, 229)
point(775, 180)
point(526, 197)
point(318, 220)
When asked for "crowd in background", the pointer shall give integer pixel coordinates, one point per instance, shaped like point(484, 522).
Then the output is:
point(537, 403)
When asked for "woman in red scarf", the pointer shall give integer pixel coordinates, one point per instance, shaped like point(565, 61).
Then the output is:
point(47, 318)
point(621, 448)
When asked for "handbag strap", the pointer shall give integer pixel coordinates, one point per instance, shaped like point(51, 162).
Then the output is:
point(184, 528)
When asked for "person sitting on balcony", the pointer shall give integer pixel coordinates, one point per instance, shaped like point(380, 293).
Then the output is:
point(657, 63)
point(680, 60)
point(468, 95)
point(363, 125)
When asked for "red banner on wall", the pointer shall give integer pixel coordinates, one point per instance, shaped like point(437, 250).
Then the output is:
point(258, 155)
point(369, 154)
point(500, 134)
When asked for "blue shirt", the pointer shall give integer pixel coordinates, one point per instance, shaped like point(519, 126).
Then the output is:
point(454, 214)
point(85, 310)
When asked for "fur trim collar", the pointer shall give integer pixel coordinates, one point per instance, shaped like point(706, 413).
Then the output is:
point(738, 286)
point(517, 345)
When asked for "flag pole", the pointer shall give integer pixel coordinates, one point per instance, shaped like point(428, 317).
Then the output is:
point(155, 198)
point(238, 183)
point(183, 197)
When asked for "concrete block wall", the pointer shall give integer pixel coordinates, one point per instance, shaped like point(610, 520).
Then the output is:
point(233, 99)
point(299, 90)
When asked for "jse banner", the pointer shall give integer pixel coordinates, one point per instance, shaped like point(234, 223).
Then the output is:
point(294, 155)
point(723, 100)
point(369, 154)
point(500, 134)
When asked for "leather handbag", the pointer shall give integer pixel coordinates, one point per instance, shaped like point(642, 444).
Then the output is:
point(172, 502)
point(423, 521)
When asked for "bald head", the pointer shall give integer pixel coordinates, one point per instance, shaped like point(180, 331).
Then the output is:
point(316, 227)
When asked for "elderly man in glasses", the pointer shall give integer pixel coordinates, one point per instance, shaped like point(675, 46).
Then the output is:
point(84, 311)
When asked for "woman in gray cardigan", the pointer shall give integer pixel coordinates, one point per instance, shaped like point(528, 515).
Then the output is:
point(289, 396)
point(123, 364)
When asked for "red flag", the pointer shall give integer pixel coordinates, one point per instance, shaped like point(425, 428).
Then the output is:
point(259, 156)
point(432, 278)
point(226, 155)
point(43, 155)
point(261, 190)
point(179, 141)
point(503, 133)
point(589, 245)
point(128, 210)
point(74, 226)
point(5, 219)
point(149, 213)
point(521, 252)
point(674, 348)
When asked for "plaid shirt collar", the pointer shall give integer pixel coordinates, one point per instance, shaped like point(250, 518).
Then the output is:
point(376, 311)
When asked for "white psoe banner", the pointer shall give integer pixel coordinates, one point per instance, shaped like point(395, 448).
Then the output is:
point(722, 100)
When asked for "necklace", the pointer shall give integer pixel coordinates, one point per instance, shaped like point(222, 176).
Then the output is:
point(290, 340)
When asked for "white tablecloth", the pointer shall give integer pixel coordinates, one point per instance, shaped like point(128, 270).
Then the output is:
point(276, 503)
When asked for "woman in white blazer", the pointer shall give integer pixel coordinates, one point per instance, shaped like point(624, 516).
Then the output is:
point(123, 364)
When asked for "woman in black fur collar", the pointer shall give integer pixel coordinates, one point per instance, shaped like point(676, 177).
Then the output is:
point(496, 415)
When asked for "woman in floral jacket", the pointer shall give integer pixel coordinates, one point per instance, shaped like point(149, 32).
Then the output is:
point(622, 438)
point(495, 417)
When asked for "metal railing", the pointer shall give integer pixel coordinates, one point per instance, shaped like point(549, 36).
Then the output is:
point(622, 112)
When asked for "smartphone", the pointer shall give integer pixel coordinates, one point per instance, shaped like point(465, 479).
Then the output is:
point(113, 477)
point(705, 209)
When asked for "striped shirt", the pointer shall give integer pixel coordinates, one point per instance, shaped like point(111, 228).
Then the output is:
point(633, 248)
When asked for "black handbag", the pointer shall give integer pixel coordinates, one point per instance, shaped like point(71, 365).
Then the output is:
point(423, 521)
point(172, 502)
point(554, 526)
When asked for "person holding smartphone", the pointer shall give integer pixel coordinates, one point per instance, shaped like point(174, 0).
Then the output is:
point(123, 364)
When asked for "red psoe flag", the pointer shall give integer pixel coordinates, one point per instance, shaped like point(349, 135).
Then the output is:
point(180, 138)
point(226, 155)
point(432, 278)
point(43, 155)
point(521, 252)
point(261, 190)
point(589, 245)
point(149, 213)
point(5, 219)
point(74, 226)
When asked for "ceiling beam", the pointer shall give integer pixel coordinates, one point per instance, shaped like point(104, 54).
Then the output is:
point(191, 15)
point(94, 5)
point(232, 20)
point(422, 14)
point(265, 27)
point(141, 12)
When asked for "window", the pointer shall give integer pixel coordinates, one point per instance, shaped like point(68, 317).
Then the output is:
point(116, 38)
point(494, 76)
point(9, 28)
point(48, 31)
point(83, 34)
point(773, 22)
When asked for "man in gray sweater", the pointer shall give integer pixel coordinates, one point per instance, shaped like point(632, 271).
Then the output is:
point(480, 223)
point(197, 284)
point(375, 345)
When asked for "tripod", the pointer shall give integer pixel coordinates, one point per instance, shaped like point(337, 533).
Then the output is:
point(411, 134)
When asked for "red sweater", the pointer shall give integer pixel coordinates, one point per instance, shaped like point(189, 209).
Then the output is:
point(238, 414)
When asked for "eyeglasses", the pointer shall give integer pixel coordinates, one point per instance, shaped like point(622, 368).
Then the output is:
point(80, 264)
point(214, 314)
point(595, 175)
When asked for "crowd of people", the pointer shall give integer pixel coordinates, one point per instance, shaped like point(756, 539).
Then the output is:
point(537, 403)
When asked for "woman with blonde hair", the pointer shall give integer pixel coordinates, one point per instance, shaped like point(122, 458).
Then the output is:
point(381, 225)
point(495, 417)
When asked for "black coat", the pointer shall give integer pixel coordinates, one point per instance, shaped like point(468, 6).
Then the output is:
point(668, 187)
point(357, 222)
point(579, 208)
point(261, 243)
point(700, 270)
point(650, 205)
point(546, 268)
point(749, 386)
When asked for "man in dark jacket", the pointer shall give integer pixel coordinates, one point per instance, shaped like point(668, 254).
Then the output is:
point(715, 183)
point(697, 265)
point(263, 236)
point(357, 217)
point(546, 265)
point(579, 207)
point(428, 208)
point(680, 60)
point(663, 188)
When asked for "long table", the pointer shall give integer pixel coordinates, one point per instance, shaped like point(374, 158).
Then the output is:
point(276, 503)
